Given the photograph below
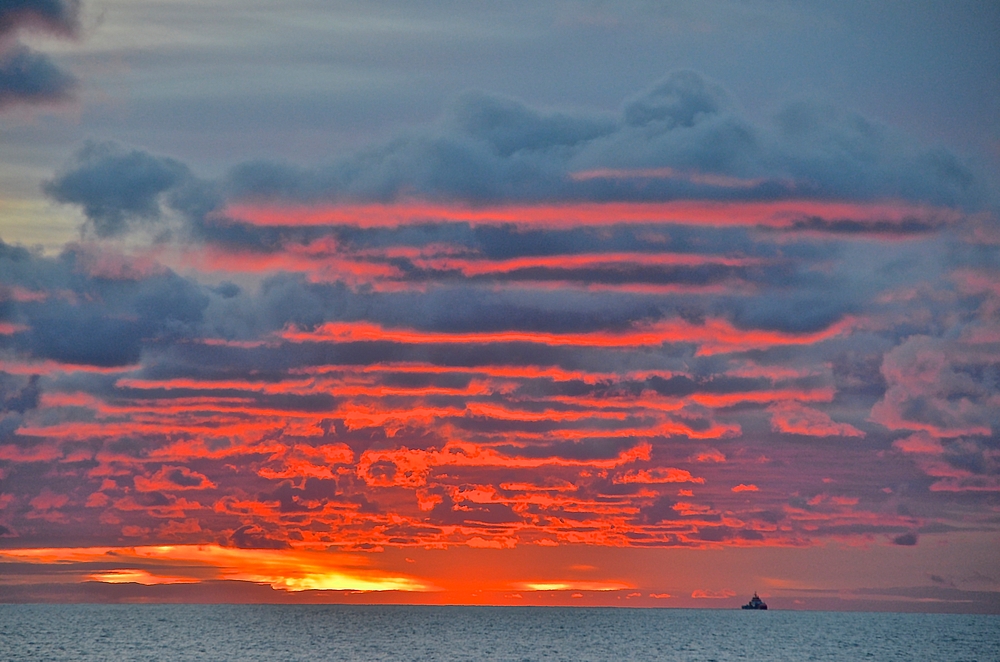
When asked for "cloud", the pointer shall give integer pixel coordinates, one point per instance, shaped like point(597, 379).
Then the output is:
point(58, 16)
point(513, 327)
point(496, 162)
point(792, 417)
point(681, 135)
point(173, 478)
point(284, 570)
point(934, 385)
point(106, 309)
point(124, 189)
point(919, 442)
point(658, 475)
point(26, 76)
point(492, 149)
point(940, 383)
point(681, 100)
point(508, 126)
point(18, 393)
point(713, 595)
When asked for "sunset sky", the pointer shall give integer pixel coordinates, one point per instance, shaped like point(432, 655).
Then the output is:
point(552, 302)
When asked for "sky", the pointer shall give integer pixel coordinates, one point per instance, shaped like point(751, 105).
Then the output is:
point(537, 303)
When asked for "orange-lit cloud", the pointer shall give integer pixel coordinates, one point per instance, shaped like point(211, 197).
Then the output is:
point(571, 585)
point(137, 576)
point(173, 478)
point(290, 570)
point(795, 418)
point(713, 595)
point(665, 173)
point(712, 337)
point(658, 475)
point(773, 214)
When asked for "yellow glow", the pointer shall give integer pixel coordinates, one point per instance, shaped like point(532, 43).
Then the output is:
point(283, 569)
point(335, 581)
point(137, 576)
point(37, 222)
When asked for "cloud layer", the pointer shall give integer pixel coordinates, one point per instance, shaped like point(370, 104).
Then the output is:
point(665, 327)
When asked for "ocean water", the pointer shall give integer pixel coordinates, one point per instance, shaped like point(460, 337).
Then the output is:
point(247, 633)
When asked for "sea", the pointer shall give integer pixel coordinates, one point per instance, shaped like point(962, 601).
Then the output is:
point(246, 633)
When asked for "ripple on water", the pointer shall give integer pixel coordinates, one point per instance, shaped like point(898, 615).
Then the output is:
point(248, 633)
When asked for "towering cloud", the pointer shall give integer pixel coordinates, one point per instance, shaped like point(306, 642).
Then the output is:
point(679, 139)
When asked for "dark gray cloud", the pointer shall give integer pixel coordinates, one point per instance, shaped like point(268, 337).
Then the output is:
point(846, 226)
point(680, 138)
point(27, 76)
point(121, 189)
point(680, 100)
point(18, 394)
point(105, 311)
point(509, 126)
point(59, 16)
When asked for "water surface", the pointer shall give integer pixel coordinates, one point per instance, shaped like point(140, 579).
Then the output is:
point(248, 633)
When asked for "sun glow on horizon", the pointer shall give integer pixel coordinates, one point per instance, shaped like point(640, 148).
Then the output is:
point(284, 569)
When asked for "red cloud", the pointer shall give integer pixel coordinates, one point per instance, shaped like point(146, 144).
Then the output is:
point(713, 595)
point(711, 455)
point(712, 337)
point(658, 475)
point(406, 467)
point(794, 418)
point(929, 388)
point(781, 214)
point(9, 329)
point(921, 443)
point(49, 499)
point(172, 479)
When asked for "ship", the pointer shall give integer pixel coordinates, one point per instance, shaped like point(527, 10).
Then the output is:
point(755, 603)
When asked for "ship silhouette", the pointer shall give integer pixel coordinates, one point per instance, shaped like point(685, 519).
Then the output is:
point(755, 603)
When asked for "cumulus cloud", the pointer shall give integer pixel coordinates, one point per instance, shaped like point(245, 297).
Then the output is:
point(680, 100)
point(937, 385)
point(943, 388)
point(101, 316)
point(679, 140)
point(681, 137)
point(123, 189)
